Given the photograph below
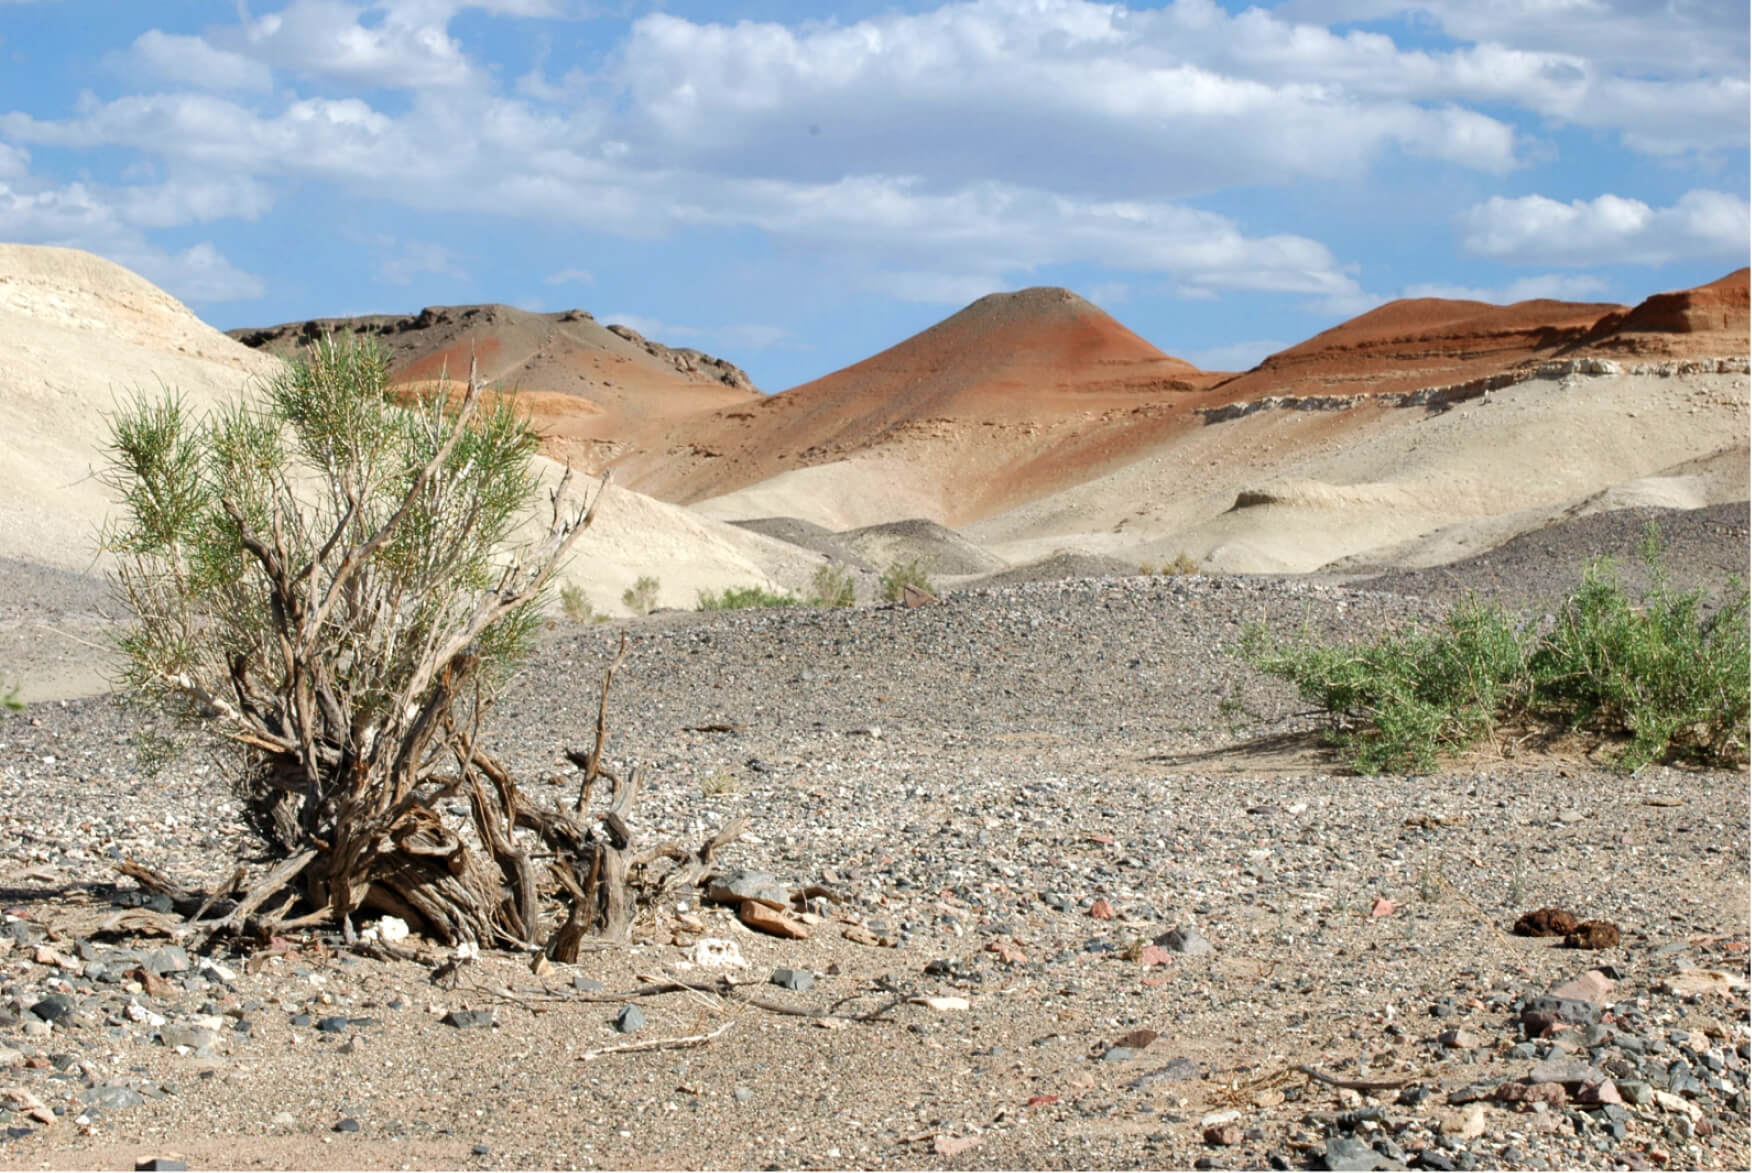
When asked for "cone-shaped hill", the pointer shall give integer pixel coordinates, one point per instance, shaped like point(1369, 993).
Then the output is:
point(1016, 393)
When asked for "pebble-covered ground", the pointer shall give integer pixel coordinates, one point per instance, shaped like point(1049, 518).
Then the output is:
point(1135, 902)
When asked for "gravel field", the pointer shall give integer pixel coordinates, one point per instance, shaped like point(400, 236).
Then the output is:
point(1010, 798)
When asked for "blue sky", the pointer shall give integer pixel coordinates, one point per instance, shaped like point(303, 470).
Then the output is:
point(795, 186)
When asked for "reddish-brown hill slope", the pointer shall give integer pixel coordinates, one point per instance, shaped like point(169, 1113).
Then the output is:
point(593, 390)
point(1018, 393)
point(1422, 342)
point(1711, 320)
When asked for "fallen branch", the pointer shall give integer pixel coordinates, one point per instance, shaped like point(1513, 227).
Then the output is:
point(1356, 1085)
point(675, 1044)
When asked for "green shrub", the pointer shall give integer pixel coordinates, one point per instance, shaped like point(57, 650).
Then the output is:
point(1183, 563)
point(641, 597)
point(9, 699)
point(577, 605)
point(832, 587)
point(741, 598)
point(914, 572)
point(1659, 674)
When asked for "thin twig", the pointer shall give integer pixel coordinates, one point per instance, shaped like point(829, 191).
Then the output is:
point(658, 1044)
point(1358, 1085)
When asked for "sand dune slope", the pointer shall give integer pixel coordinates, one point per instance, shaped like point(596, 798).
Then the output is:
point(79, 335)
point(1293, 491)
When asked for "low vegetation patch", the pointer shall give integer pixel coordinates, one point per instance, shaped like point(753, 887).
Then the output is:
point(742, 598)
point(914, 572)
point(641, 597)
point(577, 605)
point(832, 586)
point(1656, 673)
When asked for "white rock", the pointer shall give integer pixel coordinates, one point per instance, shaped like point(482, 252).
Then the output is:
point(943, 1002)
point(391, 929)
point(717, 953)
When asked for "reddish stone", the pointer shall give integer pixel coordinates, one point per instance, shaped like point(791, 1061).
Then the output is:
point(1101, 910)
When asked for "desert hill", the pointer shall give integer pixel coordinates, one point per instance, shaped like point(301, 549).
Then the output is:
point(593, 390)
point(1422, 342)
point(1014, 396)
point(1708, 320)
point(81, 334)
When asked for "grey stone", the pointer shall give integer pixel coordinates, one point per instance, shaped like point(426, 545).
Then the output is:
point(1187, 940)
point(470, 1019)
point(1564, 1070)
point(159, 1165)
point(630, 1019)
point(743, 1095)
point(193, 1037)
point(1350, 1154)
point(168, 959)
point(55, 1007)
point(1545, 1010)
point(111, 1097)
point(333, 1024)
point(747, 884)
point(1118, 1054)
point(794, 979)
point(346, 1124)
point(1180, 1070)
point(587, 985)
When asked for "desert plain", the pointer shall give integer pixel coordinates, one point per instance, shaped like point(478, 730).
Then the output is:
point(1077, 887)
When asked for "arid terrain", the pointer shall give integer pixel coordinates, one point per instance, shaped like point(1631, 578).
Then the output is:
point(1079, 887)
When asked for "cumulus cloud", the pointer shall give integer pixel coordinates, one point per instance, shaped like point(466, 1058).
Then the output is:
point(78, 216)
point(191, 61)
point(1130, 102)
point(1609, 229)
point(409, 47)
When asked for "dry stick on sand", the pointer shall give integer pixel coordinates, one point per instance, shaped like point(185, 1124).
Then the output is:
point(1357, 1085)
point(674, 1044)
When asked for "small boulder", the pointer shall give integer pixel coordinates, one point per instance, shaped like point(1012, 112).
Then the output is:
point(1545, 922)
point(745, 884)
point(1593, 934)
point(1187, 940)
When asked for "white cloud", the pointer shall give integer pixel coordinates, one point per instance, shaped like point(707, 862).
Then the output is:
point(14, 161)
point(1132, 102)
point(410, 46)
point(191, 61)
point(76, 216)
point(1610, 229)
point(570, 277)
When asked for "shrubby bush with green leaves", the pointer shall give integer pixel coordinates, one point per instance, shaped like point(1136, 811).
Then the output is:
point(641, 597)
point(914, 572)
point(832, 586)
point(741, 598)
point(1657, 674)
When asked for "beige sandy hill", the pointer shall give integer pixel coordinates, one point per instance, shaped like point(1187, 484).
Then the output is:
point(81, 334)
point(1293, 491)
point(78, 332)
point(1017, 395)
